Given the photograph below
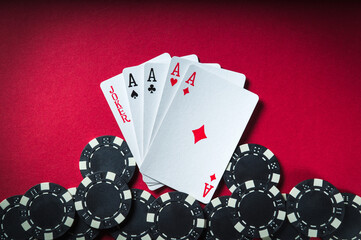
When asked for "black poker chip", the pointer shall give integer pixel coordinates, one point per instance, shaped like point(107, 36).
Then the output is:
point(10, 223)
point(176, 215)
point(103, 200)
point(287, 231)
point(135, 226)
point(251, 162)
point(79, 229)
point(257, 209)
point(350, 227)
point(47, 211)
point(315, 207)
point(219, 225)
point(107, 153)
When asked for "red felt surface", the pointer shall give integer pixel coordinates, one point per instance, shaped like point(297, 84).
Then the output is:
point(301, 58)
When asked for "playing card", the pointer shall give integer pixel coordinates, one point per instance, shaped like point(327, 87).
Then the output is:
point(153, 108)
point(234, 77)
point(199, 133)
point(115, 93)
point(154, 79)
point(237, 78)
point(134, 82)
point(156, 186)
point(178, 66)
point(151, 104)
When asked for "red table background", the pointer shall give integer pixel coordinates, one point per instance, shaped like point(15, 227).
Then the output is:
point(301, 58)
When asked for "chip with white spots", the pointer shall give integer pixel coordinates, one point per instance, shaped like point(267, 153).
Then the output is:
point(176, 215)
point(107, 154)
point(257, 209)
point(315, 208)
point(136, 226)
point(103, 200)
point(47, 211)
point(251, 162)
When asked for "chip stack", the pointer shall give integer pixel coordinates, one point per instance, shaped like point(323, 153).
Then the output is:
point(104, 202)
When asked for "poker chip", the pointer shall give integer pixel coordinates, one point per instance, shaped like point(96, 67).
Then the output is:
point(107, 153)
point(79, 230)
point(287, 231)
point(103, 200)
point(176, 215)
point(219, 225)
point(251, 162)
point(257, 209)
point(47, 211)
point(10, 224)
point(350, 227)
point(135, 226)
point(315, 207)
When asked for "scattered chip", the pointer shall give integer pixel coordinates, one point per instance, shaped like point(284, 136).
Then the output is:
point(315, 207)
point(287, 231)
point(257, 209)
point(108, 154)
point(251, 162)
point(350, 227)
point(219, 225)
point(47, 211)
point(135, 226)
point(103, 200)
point(79, 230)
point(176, 215)
point(10, 224)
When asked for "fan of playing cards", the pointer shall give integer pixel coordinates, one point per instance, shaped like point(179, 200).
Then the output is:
point(182, 120)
